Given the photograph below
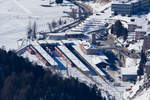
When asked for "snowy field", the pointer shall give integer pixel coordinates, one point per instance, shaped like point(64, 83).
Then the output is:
point(15, 16)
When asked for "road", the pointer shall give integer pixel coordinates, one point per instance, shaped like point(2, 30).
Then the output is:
point(87, 12)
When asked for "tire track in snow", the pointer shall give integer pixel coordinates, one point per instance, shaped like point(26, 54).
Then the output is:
point(22, 7)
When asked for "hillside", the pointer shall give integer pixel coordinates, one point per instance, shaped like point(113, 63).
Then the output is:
point(21, 80)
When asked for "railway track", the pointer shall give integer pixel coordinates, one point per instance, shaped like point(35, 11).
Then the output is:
point(100, 76)
point(87, 10)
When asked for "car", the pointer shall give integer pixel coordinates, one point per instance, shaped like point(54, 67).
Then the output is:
point(97, 14)
point(111, 80)
point(117, 84)
point(102, 11)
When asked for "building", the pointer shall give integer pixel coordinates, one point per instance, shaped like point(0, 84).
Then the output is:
point(130, 6)
point(135, 7)
point(132, 26)
point(129, 73)
point(122, 8)
point(147, 68)
point(89, 49)
point(144, 4)
point(139, 33)
point(146, 45)
point(136, 30)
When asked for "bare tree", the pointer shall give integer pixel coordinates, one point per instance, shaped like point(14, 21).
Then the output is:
point(74, 13)
point(34, 31)
point(29, 31)
point(50, 27)
point(54, 24)
point(60, 22)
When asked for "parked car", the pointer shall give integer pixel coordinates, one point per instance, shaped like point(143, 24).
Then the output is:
point(117, 84)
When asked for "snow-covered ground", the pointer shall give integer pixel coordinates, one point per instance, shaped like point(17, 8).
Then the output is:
point(16, 14)
point(99, 6)
point(32, 58)
point(136, 46)
point(145, 95)
point(133, 90)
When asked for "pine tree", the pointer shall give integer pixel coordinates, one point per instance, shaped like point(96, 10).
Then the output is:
point(140, 70)
point(119, 30)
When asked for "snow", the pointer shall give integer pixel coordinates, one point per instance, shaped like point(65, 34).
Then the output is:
point(131, 62)
point(15, 16)
point(97, 7)
point(44, 53)
point(32, 58)
point(136, 46)
point(89, 59)
point(144, 96)
point(148, 57)
point(129, 71)
point(147, 63)
point(73, 58)
point(134, 90)
point(92, 23)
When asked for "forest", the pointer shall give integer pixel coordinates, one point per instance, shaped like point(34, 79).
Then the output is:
point(23, 80)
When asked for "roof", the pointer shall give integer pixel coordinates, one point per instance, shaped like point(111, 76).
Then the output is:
point(147, 63)
point(130, 62)
point(87, 45)
point(129, 71)
point(148, 57)
point(147, 35)
point(125, 1)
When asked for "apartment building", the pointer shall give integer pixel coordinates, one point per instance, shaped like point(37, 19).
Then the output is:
point(130, 6)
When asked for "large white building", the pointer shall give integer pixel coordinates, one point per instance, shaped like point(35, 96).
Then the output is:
point(130, 6)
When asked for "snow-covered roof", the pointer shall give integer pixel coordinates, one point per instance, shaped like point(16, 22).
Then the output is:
point(129, 70)
point(44, 54)
point(136, 46)
point(143, 29)
point(130, 62)
point(147, 35)
point(87, 45)
point(126, 1)
point(98, 59)
point(148, 57)
point(73, 58)
point(89, 59)
point(147, 63)
point(138, 21)
point(144, 96)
